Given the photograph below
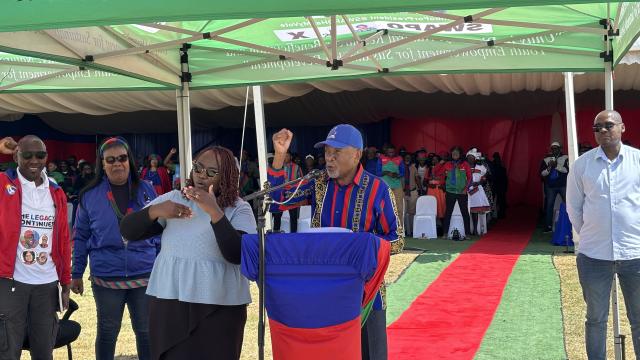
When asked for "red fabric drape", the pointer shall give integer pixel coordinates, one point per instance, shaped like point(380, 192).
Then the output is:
point(522, 143)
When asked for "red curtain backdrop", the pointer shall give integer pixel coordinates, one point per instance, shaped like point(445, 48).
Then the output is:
point(522, 143)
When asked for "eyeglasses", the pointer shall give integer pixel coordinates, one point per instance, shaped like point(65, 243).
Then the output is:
point(112, 159)
point(198, 169)
point(27, 155)
point(608, 126)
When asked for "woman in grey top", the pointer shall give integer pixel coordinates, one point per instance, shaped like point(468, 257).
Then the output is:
point(198, 296)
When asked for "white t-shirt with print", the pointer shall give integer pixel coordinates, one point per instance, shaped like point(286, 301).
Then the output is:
point(34, 265)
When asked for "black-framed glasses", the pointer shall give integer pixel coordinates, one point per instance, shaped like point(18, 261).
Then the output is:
point(607, 126)
point(28, 155)
point(120, 158)
point(198, 169)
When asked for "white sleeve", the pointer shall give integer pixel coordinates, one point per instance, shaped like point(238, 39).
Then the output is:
point(575, 197)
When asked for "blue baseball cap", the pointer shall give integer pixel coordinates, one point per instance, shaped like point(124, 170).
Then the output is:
point(341, 136)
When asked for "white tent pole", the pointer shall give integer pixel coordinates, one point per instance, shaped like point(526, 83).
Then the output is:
point(184, 117)
point(572, 138)
point(615, 308)
point(261, 133)
point(608, 86)
point(263, 222)
point(181, 150)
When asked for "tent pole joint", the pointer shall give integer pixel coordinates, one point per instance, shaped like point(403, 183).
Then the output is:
point(613, 33)
point(468, 18)
point(282, 57)
point(607, 56)
point(335, 64)
point(88, 58)
point(384, 70)
point(491, 43)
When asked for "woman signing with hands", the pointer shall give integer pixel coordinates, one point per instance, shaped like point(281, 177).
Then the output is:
point(198, 294)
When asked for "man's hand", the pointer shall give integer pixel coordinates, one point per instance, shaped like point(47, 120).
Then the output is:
point(77, 286)
point(282, 141)
point(65, 296)
point(8, 146)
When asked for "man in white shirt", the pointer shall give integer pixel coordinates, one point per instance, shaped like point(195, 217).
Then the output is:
point(603, 202)
point(34, 241)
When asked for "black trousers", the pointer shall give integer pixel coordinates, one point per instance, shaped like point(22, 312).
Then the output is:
point(28, 310)
point(463, 202)
point(293, 218)
point(374, 336)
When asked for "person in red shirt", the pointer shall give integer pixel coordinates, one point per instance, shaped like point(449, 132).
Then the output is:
point(31, 274)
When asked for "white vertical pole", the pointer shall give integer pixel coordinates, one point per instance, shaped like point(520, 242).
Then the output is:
point(261, 132)
point(608, 86)
point(572, 137)
point(184, 118)
point(608, 97)
point(261, 137)
point(180, 137)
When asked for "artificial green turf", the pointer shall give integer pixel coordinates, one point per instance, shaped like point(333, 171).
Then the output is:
point(528, 321)
point(421, 273)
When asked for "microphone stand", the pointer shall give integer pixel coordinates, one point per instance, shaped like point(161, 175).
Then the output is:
point(264, 198)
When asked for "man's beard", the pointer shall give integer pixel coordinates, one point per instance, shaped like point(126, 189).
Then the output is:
point(333, 174)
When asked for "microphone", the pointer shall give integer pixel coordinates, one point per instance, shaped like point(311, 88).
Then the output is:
point(314, 174)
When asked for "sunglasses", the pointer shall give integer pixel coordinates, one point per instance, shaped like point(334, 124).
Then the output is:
point(27, 155)
point(198, 169)
point(112, 159)
point(608, 126)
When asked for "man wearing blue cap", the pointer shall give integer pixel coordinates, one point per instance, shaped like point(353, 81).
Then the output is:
point(350, 197)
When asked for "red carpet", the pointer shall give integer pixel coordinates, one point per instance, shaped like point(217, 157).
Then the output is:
point(449, 319)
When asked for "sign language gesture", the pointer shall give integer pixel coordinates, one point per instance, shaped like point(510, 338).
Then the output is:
point(169, 210)
point(206, 200)
point(8, 146)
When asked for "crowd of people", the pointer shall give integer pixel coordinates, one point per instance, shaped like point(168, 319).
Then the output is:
point(131, 229)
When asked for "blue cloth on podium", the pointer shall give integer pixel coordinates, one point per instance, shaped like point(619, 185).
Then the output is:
point(315, 285)
point(563, 228)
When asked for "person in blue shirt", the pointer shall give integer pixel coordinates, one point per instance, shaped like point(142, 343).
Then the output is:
point(603, 201)
point(119, 270)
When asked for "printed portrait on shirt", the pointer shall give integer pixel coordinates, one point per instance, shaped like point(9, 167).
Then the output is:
point(28, 257)
point(42, 258)
point(44, 241)
point(29, 239)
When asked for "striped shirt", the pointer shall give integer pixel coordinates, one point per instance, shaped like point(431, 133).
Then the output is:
point(365, 205)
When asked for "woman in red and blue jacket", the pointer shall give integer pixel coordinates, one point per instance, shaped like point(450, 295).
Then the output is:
point(457, 182)
point(120, 269)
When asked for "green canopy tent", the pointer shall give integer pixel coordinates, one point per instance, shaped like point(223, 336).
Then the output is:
point(85, 45)
point(82, 45)
point(93, 46)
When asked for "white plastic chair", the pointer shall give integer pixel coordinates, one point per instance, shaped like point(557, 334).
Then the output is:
point(456, 222)
point(285, 223)
point(304, 218)
point(424, 221)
